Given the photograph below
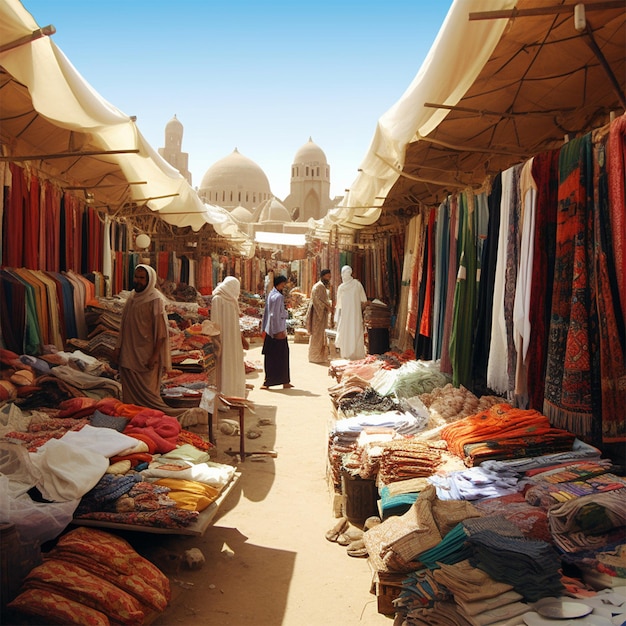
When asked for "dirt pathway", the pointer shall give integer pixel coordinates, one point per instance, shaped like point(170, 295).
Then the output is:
point(267, 560)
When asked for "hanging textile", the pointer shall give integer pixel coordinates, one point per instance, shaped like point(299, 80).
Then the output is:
point(521, 303)
point(612, 365)
point(445, 364)
point(617, 192)
point(571, 387)
point(545, 173)
point(497, 378)
point(441, 251)
point(464, 295)
point(486, 290)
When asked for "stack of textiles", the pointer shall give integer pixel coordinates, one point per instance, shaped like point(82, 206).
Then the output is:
point(367, 401)
point(412, 378)
point(402, 423)
point(408, 458)
point(504, 432)
point(377, 315)
point(397, 498)
point(475, 483)
point(531, 520)
point(397, 543)
point(448, 404)
point(121, 463)
point(545, 493)
point(364, 461)
point(93, 577)
point(580, 451)
point(601, 568)
point(476, 599)
point(499, 548)
point(340, 444)
point(350, 386)
point(589, 522)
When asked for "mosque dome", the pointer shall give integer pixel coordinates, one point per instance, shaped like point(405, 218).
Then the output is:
point(235, 180)
point(273, 211)
point(310, 152)
point(241, 214)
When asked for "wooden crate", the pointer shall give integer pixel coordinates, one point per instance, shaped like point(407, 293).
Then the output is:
point(387, 587)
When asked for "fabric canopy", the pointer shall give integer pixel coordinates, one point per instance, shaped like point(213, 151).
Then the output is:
point(503, 81)
point(53, 119)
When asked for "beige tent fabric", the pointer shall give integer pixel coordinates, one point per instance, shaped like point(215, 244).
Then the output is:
point(490, 94)
point(48, 109)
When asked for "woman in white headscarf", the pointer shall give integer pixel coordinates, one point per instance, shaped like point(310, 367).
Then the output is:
point(349, 316)
point(231, 372)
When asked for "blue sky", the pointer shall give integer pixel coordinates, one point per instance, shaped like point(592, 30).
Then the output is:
point(261, 77)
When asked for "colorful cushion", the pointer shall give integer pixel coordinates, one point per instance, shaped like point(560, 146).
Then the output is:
point(116, 553)
point(57, 609)
point(78, 584)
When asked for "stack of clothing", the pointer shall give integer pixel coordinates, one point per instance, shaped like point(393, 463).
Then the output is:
point(504, 432)
point(93, 577)
point(408, 458)
point(589, 522)
point(474, 483)
point(570, 480)
point(531, 566)
point(377, 315)
point(412, 378)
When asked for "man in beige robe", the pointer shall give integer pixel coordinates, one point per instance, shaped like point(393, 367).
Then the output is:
point(143, 351)
point(317, 318)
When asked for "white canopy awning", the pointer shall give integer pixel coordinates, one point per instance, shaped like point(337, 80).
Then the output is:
point(282, 239)
point(52, 118)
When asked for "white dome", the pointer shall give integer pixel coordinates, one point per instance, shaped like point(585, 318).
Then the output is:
point(235, 180)
point(310, 152)
point(274, 211)
point(241, 214)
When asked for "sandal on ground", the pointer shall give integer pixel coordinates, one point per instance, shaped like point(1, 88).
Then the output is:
point(340, 527)
point(357, 549)
point(350, 535)
point(287, 386)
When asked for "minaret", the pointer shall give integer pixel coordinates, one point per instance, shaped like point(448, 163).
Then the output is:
point(173, 145)
point(309, 195)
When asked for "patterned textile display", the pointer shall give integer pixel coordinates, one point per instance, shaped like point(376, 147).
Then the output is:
point(611, 327)
point(572, 375)
point(503, 432)
point(80, 585)
point(532, 521)
point(114, 552)
point(545, 494)
point(589, 522)
point(55, 608)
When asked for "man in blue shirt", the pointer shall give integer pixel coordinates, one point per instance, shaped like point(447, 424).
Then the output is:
point(275, 344)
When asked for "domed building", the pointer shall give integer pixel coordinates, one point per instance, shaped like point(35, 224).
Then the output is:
point(239, 185)
point(235, 181)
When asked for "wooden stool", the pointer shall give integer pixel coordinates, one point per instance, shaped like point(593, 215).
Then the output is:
point(241, 405)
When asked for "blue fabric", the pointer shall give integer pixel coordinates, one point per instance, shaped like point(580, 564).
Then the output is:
point(395, 505)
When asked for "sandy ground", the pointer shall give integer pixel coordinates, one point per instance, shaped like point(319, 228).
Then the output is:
point(267, 559)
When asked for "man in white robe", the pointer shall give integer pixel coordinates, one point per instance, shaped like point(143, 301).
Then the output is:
point(351, 299)
point(231, 372)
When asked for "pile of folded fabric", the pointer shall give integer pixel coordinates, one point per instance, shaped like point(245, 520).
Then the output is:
point(93, 577)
